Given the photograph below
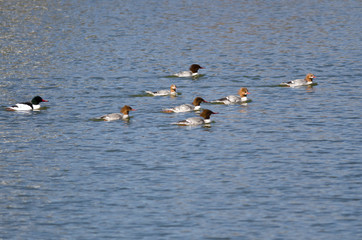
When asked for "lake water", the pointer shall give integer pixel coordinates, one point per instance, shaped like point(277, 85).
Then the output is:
point(286, 165)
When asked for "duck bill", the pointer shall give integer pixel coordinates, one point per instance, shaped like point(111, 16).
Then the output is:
point(44, 100)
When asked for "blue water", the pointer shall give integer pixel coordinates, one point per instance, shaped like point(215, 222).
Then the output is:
point(287, 165)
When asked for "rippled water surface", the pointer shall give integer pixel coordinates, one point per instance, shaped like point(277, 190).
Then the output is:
point(286, 165)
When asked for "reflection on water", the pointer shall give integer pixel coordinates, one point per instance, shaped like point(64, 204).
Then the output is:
point(25, 42)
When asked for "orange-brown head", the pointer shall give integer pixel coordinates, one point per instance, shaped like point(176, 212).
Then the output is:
point(309, 77)
point(125, 109)
point(243, 92)
point(173, 88)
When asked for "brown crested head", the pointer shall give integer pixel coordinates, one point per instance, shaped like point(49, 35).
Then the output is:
point(243, 92)
point(206, 113)
point(195, 67)
point(310, 77)
point(198, 100)
point(125, 109)
point(173, 88)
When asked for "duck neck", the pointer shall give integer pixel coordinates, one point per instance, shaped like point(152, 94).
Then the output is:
point(207, 120)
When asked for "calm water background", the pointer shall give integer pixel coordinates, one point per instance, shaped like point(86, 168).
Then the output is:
point(285, 166)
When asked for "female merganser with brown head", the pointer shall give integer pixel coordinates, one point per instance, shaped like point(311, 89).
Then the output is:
point(171, 92)
point(205, 118)
point(308, 80)
point(187, 107)
point(116, 116)
point(243, 92)
point(193, 71)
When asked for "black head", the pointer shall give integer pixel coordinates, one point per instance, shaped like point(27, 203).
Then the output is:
point(195, 67)
point(36, 100)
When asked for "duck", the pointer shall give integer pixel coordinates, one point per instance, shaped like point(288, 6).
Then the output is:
point(116, 116)
point(195, 106)
point(308, 80)
point(34, 104)
point(193, 121)
point(193, 71)
point(243, 92)
point(171, 92)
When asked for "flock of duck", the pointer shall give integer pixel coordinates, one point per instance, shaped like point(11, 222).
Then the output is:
point(204, 118)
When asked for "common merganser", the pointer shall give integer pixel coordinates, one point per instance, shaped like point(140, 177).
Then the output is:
point(194, 68)
point(116, 116)
point(171, 92)
point(197, 120)
point(186, 107)
point(308, 80)
point(243, 92)
point(27, 106)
